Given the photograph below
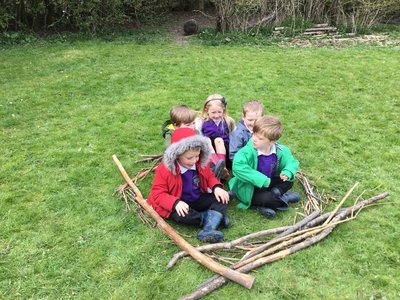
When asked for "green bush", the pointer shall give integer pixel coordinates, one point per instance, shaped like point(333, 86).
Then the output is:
point(14, 38)
point(88, 15)
point(295, 26)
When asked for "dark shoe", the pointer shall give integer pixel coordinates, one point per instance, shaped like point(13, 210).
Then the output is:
point(212, 236)
point(226, 222)
point(290, 197)
point(211, 221)
point(283, 207)
point(218, 169)
point(266, 212)
point(276, 192)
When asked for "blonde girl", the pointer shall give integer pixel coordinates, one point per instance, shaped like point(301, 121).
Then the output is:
point(217, 125)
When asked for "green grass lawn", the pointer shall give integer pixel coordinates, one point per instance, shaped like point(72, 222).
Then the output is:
point(66, 108)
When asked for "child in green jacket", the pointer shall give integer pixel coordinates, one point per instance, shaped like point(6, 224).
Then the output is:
point(264, 170)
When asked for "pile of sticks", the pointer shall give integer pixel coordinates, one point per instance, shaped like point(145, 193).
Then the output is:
point(129, 196)
point(290, 239)
point(314, 199)
point(245, 280)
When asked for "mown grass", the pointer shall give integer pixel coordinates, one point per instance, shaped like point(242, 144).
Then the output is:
point(66, 108)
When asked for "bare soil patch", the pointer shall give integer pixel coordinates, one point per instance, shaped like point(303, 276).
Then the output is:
point(178, 19)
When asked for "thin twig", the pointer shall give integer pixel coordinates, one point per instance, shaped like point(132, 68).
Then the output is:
point(341, 203)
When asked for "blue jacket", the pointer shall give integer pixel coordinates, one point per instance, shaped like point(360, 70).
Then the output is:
point(239, 139)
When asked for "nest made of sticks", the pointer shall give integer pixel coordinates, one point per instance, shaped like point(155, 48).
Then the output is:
point(129, 196)
point(258, 251)
point(314, 199)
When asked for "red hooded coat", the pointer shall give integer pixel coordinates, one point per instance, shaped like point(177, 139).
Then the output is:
point(167, 184)
point(167, 187)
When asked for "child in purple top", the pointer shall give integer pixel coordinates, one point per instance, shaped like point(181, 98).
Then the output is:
point(217, 125)
point(185, 189)
point(264, 170)
point(212, 129)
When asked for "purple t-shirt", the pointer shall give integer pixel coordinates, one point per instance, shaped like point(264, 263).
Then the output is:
point(267, 164)
point(211, 129)
point(190, 186)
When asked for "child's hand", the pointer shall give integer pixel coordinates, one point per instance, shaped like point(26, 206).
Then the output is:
point(182, 208)
point(221, 195)
point(284, 177)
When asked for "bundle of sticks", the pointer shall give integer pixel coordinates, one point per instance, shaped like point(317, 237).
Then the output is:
point(315, 200)
point(129, 196)
point(290, 239)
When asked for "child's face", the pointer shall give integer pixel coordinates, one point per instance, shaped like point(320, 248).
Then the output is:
point(215, 112)
point(261, 142)
point(186, 125)
point(189, 158)
point(250, 118)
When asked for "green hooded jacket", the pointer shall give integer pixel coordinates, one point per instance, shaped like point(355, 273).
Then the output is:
point(246, 176)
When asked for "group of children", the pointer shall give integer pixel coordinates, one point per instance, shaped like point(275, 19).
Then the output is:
point(198, 153)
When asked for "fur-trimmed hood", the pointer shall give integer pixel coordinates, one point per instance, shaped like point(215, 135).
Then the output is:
point(176, 149)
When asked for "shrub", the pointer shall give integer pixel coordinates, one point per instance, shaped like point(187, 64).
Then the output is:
point(88, 15)
point(244, 15)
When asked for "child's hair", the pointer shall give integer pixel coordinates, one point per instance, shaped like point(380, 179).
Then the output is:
point(217, 99)
point(182, 114)
point(253, 106)
point(269, 127)
point(192, 148)
point(222, 102)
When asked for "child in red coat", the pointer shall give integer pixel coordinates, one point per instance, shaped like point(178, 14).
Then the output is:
point(186, 190)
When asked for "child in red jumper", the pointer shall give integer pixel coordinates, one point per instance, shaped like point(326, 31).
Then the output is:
point(186, 190)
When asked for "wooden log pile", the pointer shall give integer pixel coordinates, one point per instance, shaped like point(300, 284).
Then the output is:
point(321, 30)
point(317, 30)
point(292, 239)
point(278, 30)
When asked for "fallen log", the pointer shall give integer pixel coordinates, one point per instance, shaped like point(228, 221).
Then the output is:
point(321, 25)
point(314, 33)
point(243, 279)
point(322, 29)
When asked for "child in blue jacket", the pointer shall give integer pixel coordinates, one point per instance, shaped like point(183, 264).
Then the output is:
point(252, 110)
